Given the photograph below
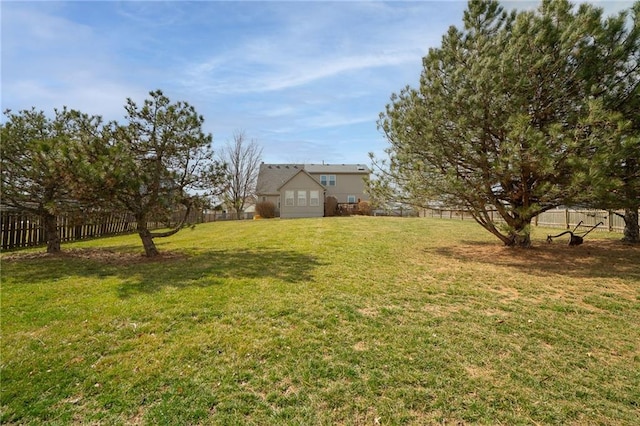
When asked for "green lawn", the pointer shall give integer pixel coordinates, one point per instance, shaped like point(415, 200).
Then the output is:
point(355, 321)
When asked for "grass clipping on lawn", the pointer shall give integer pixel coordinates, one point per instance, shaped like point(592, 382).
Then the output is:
point(358, 321)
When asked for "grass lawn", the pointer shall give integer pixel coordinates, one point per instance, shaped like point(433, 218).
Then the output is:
point(355, 321)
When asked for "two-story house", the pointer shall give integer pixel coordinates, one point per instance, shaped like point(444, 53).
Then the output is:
point(300, 190)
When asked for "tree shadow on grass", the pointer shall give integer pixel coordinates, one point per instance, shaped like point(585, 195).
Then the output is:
point(594, 259)
point(142, 275)
point(213, 268)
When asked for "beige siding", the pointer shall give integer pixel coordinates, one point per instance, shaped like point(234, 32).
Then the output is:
point(346, 184)
point(301, 183)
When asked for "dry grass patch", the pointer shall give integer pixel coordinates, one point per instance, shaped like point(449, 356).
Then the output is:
point(594, 258)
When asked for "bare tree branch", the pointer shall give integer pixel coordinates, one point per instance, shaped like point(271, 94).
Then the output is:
point(242, 158)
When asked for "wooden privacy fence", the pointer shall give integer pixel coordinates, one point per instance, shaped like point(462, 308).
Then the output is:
point(556, 218)
point(20, 229)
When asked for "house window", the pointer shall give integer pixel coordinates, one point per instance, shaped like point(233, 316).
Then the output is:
point(314, 198)
point(331, 179)
point(351, 198)
point(302, 198)
point(288, 198)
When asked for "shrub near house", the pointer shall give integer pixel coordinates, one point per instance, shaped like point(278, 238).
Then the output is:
point(265, 209)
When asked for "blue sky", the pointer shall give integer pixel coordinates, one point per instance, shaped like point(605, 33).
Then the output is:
point(307, 80)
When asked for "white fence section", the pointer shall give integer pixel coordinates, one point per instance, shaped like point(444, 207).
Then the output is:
point(556, 218)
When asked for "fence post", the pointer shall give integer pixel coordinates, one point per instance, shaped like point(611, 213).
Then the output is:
point(566, 218)
point(609, 222)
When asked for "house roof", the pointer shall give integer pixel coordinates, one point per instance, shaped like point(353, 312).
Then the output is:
point(337, 168)
point(271, 177)
point(305, 173)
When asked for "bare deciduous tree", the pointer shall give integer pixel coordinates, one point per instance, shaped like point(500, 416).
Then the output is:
point(242, 158)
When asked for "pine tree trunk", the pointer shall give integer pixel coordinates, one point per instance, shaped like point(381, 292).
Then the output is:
point(51, 232)
point(631, 229)
point(520, 236)
point(150, 249)
point(519, 239)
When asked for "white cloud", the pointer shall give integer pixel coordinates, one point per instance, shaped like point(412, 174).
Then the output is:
point(277, 70)
point(313, 42)
point(334, 119)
